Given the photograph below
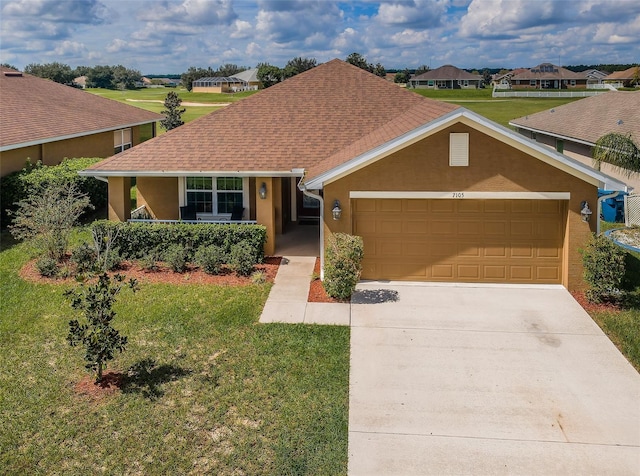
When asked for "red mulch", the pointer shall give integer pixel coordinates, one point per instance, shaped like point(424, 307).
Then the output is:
point(316, 290)
point(164, 274)
point(110, 385)
point(593, 307)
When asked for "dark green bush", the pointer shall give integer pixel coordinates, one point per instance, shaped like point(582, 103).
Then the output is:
point(176, 257)
point(343, 265)
point(210, 259)
point(135, 240)
point(604, 269)
point(242, 259)
point(84, 257)
point(34, 178)
point(47, 266)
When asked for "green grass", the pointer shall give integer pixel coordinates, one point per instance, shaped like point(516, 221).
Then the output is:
point(226, 396)
point(500, 110)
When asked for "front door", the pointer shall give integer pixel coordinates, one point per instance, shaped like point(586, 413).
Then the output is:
point(307, 207)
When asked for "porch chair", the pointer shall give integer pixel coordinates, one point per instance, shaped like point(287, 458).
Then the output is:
point(236, 213)
point(188, 212)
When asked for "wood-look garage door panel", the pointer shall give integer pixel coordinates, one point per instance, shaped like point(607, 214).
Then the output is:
point(461, 240)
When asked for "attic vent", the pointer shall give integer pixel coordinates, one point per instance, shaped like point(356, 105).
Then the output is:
point(13, 73)
point(459, 149)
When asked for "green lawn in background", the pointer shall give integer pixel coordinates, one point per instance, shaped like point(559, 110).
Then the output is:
point(226, 396)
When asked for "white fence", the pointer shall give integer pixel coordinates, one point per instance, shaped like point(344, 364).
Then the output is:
point(632, 210)
point(546, 94)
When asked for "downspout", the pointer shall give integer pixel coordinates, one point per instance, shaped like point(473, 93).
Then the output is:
point(306, 192)
point(600, 200)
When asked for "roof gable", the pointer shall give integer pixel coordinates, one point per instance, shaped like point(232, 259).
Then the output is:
point(36, 110)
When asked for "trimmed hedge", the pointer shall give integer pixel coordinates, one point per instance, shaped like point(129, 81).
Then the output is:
point(136, 240)
point(33, 178)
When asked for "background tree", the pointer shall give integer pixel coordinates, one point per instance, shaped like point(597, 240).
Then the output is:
point(58, 72)
point(192, 74)
point(7, 65)
point(124, 78)
point(486, 76)
point(299, 65)
point(360, 61)
point(421, 70)
point(172, 112)
point(402, 77)
point(48, 217)
point(618, 150)
point(100, 77)
point(268, 75)
point(99, 338)
point(228, 70)
point(379, 70)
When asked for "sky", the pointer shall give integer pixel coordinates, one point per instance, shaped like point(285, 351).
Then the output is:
point(169, 36)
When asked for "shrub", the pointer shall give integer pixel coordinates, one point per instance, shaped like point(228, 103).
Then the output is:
point(47, 266)
point(210, 259)
point(242, 259)
point(259, 277)
point(176, 258)
point(343, 265)
point(150, 260)
point(84, 257)
point(604, 269)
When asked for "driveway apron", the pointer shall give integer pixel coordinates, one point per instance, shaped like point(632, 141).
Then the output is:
point(486, 380)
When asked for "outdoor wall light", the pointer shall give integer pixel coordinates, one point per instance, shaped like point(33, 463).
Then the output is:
point(337, 211)
point(263, 191)
point(585, 211)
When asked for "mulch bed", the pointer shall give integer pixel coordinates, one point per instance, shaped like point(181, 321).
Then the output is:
point(110, 384)
point(593, 307)
point(164, 274)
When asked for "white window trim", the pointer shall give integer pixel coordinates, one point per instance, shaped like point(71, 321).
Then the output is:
point(182, 198)
point(122, 142)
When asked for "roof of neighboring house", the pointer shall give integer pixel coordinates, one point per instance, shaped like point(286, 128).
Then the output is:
point(447, 72)
point(249, 75)
point(630, 73)
point(588, 119)
point(313, 120)
point(546, 71)
point(36, 110)
point(218, 80)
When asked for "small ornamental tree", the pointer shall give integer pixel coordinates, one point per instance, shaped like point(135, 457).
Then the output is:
point(172, 112)
point(99, 339)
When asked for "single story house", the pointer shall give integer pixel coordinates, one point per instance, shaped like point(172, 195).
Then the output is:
point(627, 78)
point(46, 121)
point(437, 192)
point(244, 81)
point(548, 76)
point(446, 77)
point(574, 128)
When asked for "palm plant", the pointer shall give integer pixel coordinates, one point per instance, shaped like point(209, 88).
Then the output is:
point(618, 150)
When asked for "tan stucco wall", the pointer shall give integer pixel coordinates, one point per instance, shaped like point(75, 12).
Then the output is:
point(52, 153)
point(119, 198)
point(160, 195)
point(493, 167)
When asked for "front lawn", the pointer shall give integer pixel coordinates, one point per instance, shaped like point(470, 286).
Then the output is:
point(210, 390)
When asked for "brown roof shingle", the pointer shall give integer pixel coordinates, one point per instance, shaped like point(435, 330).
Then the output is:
point(314, 120)
point(448, 72)
point(37, 110)
point(590, 118)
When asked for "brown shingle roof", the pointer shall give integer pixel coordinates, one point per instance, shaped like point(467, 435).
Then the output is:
point(590, 118)
point(314, 120)
point(627, 74)
point(35, 110)
point(542, 72)
point(448, 72)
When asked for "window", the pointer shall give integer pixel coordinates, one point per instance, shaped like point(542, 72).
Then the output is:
point(532, 82)
point(560, 145)
point(121, 140)
point(214, 196)
point(573, 82)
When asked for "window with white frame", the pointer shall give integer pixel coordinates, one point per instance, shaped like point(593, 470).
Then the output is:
point(532, 82)
point(121, 140)
point(214, 195)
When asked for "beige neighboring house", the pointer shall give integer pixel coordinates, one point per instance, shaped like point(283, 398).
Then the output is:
point(627, 78)
point(244, 81)
point(574, 128)
point(46, 121)
point(446, 77)
point(437, 192)
point(548, 76)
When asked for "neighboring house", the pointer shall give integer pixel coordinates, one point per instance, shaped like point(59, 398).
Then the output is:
point(548, 76)
point(593, 76)
point(46, 121)
point(244, 81)
point(437, 192)
point(574, 128)
point(627, 78)
point(80, 82)
point(446, 77)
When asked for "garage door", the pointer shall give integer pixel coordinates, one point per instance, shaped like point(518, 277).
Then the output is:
point(498, 241)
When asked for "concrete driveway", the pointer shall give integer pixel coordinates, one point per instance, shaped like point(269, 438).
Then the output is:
point(486, 380)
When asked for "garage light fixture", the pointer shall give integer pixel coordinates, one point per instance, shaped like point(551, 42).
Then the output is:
point(263, 191)
point(337, 211)
point(585, 211)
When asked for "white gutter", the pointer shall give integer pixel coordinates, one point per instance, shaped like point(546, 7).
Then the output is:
point(599, 207)
point(551, 134)
point(184, 173)
point(306, 192)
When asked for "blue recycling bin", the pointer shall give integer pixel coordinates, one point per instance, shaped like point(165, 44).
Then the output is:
point(612, 208)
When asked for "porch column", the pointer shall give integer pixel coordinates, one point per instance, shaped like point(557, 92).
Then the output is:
point(266, 212)
point(277, 201)
point(119, 198)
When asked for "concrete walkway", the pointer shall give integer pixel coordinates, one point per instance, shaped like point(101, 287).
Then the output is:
point(287, 301)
